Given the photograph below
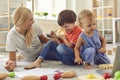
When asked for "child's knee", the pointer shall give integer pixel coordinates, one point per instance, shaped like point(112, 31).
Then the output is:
point(61, 48)
point(50, 43)
point(91, 50)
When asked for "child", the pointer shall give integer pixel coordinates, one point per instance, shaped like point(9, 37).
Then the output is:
point(62, 51)
point(91, 45)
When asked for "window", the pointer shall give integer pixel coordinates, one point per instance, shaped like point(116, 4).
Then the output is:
point(49, 6)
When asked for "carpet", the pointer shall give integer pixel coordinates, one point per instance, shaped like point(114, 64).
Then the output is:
point(49, 64)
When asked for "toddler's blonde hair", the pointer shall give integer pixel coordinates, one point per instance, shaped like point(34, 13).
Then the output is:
point(86, 14)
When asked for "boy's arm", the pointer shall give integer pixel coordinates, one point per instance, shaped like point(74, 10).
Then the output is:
point(57, 40)
point(74, 37)
point(71, 45)
point(54, 37)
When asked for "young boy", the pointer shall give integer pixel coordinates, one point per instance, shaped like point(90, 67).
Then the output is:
point(62, 51)
point(91, 45)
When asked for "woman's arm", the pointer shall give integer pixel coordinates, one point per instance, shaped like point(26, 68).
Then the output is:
point(12, 55)
point(11, 63)
point(43, 38)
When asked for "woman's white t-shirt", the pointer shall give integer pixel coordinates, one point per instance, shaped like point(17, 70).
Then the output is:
point(16, 42)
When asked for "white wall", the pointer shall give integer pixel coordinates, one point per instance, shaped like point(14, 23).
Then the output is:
point(70, 4)
point(78, 5)
point(83, 4)
point(75, 5)
point(47, 25)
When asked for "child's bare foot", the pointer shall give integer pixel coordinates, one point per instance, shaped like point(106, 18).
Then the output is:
point(33, 65)
point(88, 66)
point(36, 64)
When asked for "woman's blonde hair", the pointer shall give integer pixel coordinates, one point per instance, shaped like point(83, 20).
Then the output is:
point(86, 14)
point(19, 17)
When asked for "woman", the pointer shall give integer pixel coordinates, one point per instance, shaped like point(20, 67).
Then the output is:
point(25, 37)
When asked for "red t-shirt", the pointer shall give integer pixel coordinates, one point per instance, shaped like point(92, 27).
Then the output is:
point(73, 35)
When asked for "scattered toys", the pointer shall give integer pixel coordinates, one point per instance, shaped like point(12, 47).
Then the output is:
point(106, 75)
point(5, 75)
point(66, 74)
point(44, 77)
point(105, 66)
point(69, 74)
point(117, 75)
point(91, 77)
point(57, 76)
point(12, 74)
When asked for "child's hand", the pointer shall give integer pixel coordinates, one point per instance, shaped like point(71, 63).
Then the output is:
point(102, 50)
point(78, 60)
point(53, 34)
point(62, 36)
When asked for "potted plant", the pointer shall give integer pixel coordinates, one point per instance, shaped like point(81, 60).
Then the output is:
point(45, 14)
point(39, 14)
point(54, 15)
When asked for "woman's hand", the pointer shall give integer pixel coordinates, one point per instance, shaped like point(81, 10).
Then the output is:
point(78, 60)
point(102, 50)
point(10, 65)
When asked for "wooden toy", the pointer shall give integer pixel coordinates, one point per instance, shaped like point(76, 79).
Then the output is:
point(60, 31)
point(105, 66)
point(111, 79)
point(19, 57)
point(109, 52)
point(114, 50)
point(5, 75)
point(44, 77)
point(66, 74)
point(91, 77)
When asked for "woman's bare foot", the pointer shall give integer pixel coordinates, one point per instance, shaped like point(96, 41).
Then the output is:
point(36, 64)
point(88, 66)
